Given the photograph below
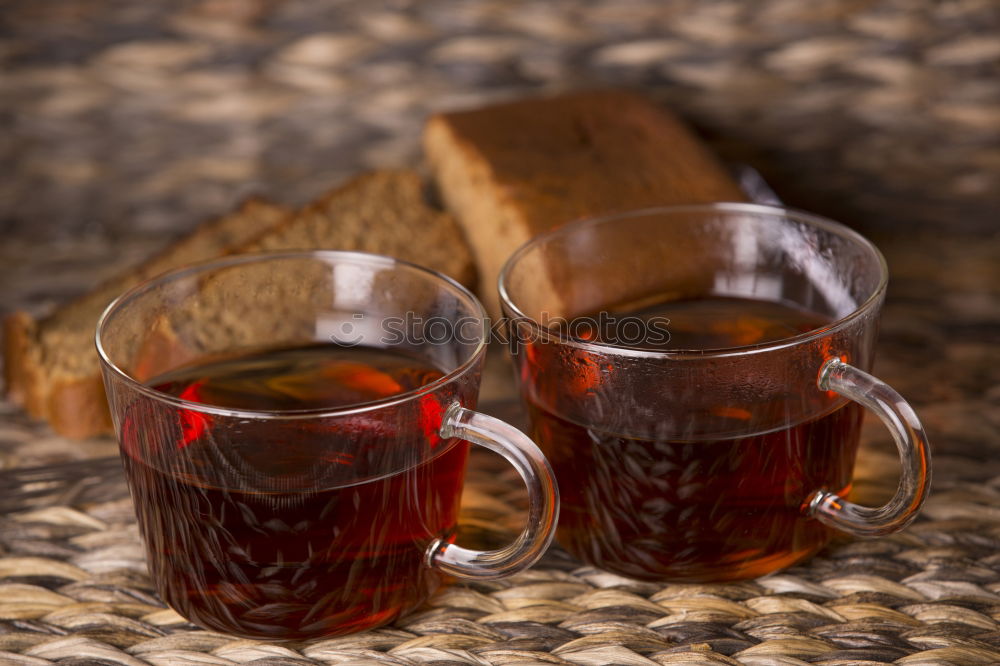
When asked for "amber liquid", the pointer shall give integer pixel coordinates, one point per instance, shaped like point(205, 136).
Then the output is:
point(292, 529)
point(699, 508)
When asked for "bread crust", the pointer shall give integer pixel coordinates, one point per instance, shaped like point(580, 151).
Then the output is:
point(78, 408)
point(19, 338)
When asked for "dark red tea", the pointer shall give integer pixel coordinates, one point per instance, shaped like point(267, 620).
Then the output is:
point(697, 508)
point(294, 528)
point(718, 322)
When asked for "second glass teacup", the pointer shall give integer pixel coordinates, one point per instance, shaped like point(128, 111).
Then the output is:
point(695, 376)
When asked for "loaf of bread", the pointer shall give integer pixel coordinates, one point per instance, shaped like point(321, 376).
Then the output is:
point(51, 366)
point(513, 170)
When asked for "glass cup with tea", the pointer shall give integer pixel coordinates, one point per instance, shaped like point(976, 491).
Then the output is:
point(696, 377)
point(294, 430)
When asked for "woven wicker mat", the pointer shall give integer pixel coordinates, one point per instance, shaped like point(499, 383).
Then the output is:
point(130, 121)
point(74, 590)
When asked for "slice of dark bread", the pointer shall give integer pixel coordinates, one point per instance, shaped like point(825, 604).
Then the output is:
point(51, 366)
point(513, 170)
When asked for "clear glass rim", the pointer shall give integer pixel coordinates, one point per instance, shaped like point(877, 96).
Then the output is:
point(362, 258)
point(817, 221)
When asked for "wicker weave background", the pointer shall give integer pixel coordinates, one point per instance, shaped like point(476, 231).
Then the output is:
point(135, 120)
point(73, 590)
point(124, 123)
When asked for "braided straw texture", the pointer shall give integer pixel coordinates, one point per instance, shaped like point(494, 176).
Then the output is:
point(125, 123)
point(74, 589)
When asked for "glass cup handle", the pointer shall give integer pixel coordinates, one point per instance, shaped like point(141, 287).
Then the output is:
point(543, 499)
point(911, 442)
